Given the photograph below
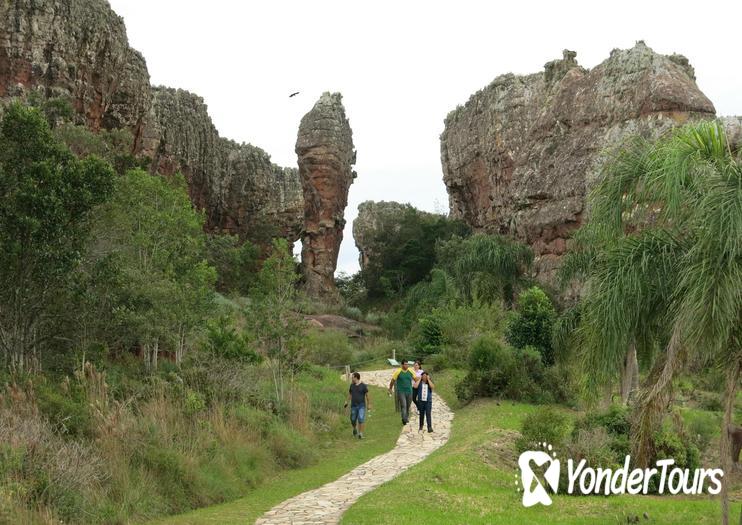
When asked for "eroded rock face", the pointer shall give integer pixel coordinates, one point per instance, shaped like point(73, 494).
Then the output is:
point(77, 50)
point(241, 190)
point(519, 157)
point(326, 155)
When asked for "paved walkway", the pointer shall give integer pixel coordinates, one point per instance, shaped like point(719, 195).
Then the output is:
point(326, 504)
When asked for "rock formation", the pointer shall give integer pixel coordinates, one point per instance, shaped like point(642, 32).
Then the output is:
point(373, 218)
point(77, 50)
point(241, 190)
point(325, 151)
point(520, 155)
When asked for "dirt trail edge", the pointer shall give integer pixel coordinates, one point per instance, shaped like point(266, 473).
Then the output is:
point(326, 504)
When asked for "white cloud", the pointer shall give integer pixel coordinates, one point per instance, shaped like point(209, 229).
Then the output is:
point(401, 66)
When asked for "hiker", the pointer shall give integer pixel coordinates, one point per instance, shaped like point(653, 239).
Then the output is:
point(425, 400)
point(417, 369)
point(403, 378)
point(359, 404)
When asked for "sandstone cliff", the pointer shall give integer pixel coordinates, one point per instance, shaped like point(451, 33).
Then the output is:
point(77, 50)
point(324, 147)
point(241, 190)
point(520, 155)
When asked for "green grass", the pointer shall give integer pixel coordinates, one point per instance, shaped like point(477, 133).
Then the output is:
point(471, 480)
point(381, 435)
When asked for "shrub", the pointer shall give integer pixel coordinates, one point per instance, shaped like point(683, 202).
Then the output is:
point(327, 347)
point(532, 324)
point(701, 426)
point(544, 425)
point(69, 412)
point(670, 442)
point(223, 340)
point(290, 448)
point(499, 370)
point(461, 325)
point(236, 262)
point(615, 420)
point(351, 288)
point(594, 445)
point(353, 312)
point(194, 403)
point(429, 337)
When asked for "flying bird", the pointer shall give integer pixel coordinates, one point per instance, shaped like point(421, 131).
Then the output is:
point(294, 94)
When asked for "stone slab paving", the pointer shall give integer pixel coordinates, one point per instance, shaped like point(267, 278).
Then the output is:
point(326, 504)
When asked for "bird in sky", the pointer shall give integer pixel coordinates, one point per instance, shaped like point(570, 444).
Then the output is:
point(294, 94)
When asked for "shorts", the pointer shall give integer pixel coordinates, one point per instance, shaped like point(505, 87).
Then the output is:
point(358, 413)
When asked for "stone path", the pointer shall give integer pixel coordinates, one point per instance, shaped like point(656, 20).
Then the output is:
point(326, 504)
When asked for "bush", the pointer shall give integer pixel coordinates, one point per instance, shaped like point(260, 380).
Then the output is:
point(223, 340)
point(615, 420)
point(353, 312)
point(499, 370)
point(595, 446)
point(544, 425)
point(702, 427)
point(194, 403)
point(670, 442)
point(236, 262)
point(461, 325)
point(532, 324)
point(327, 347)
point(429, 337)
point(69, 412)
point(290, 448)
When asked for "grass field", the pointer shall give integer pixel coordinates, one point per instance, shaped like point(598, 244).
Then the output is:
point(471, 480)
point(381, 435)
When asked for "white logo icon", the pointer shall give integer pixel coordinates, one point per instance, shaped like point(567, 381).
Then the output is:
point(533, 491)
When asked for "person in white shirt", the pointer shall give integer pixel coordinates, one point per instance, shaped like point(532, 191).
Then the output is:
point(425, 388)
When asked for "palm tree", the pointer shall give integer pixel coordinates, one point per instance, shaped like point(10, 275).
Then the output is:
point(486, 268)
point(662, 262)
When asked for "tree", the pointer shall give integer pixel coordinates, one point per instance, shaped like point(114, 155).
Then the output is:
point(662, 259)
point(155, 241)
point(46, 198)
point(486, 268)
point(532, 323)
point(272, 323)
point(403, 249)
point(236, 263)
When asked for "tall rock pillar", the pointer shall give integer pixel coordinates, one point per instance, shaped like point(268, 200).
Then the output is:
point(326, 155)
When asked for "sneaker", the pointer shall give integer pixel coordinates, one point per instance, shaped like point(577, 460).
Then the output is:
point(355, 432)
point(430, 430)
point(360, 436)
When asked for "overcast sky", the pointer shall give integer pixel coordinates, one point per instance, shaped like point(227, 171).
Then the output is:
point(401, 67)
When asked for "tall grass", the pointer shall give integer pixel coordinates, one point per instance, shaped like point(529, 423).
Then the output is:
point(190, 439)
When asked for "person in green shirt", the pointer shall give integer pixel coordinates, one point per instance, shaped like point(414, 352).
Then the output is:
point(404, 378)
